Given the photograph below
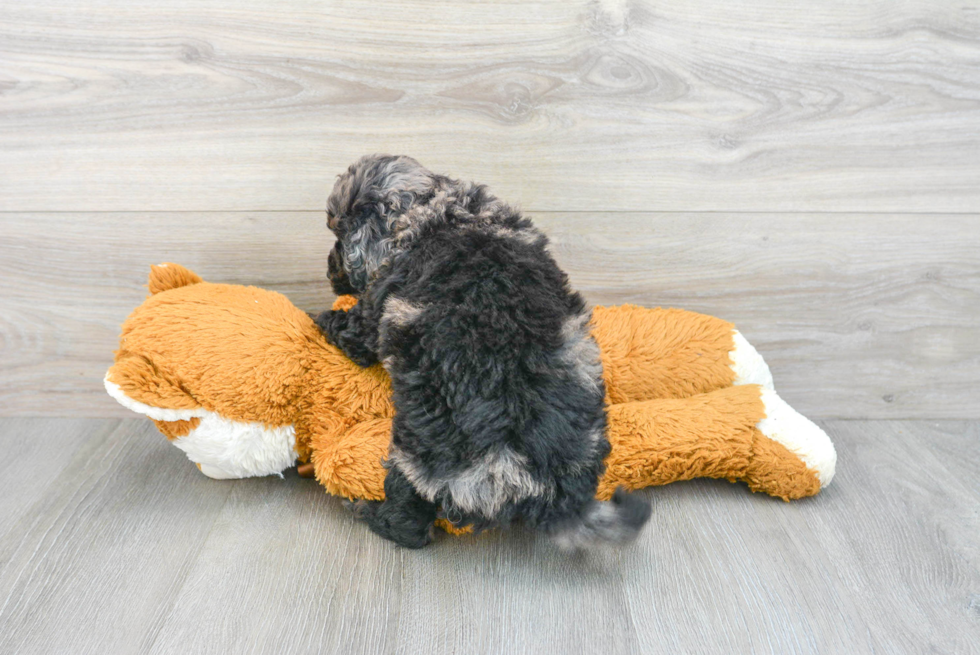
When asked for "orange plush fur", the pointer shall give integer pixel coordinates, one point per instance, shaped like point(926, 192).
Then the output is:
point(251, 357)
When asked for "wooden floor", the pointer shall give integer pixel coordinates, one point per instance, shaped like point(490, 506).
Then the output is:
point(809, 171)
point(112, 542)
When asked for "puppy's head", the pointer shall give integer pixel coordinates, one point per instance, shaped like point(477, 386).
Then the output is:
point(361, 211)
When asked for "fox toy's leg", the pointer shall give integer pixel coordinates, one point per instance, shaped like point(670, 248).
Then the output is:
point(347, 456)
point(741, 433)
point(671, 353)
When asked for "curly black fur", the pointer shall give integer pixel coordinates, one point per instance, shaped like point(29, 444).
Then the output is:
point(496, 380)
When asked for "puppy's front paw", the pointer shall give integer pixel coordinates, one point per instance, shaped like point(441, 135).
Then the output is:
point(341, 332)
point(362, 358)
point(330, 323)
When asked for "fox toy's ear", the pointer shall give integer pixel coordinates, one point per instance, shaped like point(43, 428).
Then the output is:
point(143, 388)
point(170, 276)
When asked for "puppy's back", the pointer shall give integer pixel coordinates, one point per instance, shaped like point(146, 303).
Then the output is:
point(498, 386)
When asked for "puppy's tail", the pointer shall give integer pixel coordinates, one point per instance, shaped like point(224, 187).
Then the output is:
point(617, 521)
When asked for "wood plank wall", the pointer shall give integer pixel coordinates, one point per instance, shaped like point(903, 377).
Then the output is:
point(810, 172)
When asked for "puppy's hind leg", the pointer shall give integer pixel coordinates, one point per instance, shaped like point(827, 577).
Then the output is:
point(403, 517)
point(577, 521)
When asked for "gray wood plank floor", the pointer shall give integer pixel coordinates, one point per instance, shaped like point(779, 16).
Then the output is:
point(111, 541)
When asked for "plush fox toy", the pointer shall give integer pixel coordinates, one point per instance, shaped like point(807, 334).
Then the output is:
point(244, 383)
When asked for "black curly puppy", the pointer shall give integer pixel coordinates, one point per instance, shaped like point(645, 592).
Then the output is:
point(497, 382)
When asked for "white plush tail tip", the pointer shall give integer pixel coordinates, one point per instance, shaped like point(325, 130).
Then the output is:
point(748, 364)
point(800, 435)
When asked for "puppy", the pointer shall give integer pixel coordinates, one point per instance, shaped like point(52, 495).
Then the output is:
point(497, 382)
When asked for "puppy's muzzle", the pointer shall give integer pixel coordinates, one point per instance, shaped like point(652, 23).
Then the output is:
point(337, 275)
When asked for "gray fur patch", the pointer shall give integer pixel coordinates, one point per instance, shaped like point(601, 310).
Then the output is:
point(407, 226)
point(400, 313)
point(449, 194)
point(580, 352)
point(364, 253)
point(527, 236)
point(501, 477)
point(403, 180)
point(413, 471)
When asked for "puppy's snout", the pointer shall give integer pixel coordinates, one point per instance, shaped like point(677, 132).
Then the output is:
point(335, 263)
point(336, 273)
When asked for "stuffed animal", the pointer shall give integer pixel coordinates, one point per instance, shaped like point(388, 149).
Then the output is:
point(244, 383)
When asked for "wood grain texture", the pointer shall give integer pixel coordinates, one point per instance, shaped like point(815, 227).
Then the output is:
point(561, 105)
point(23, 443)
point(130, 549)
point(858, 315)
point(93, 563)
point(71, 279)
point(874, 564)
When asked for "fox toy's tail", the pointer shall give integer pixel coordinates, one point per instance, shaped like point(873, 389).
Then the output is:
point(617, 521)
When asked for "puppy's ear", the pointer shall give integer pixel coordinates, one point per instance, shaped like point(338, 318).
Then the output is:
point(365, 249)
point(337, 271)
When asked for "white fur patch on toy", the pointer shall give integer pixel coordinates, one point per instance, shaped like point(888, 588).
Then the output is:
point(800, 435)
point(228, 449)
point(748, 364)
point(223, 448)
point(156, 413)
